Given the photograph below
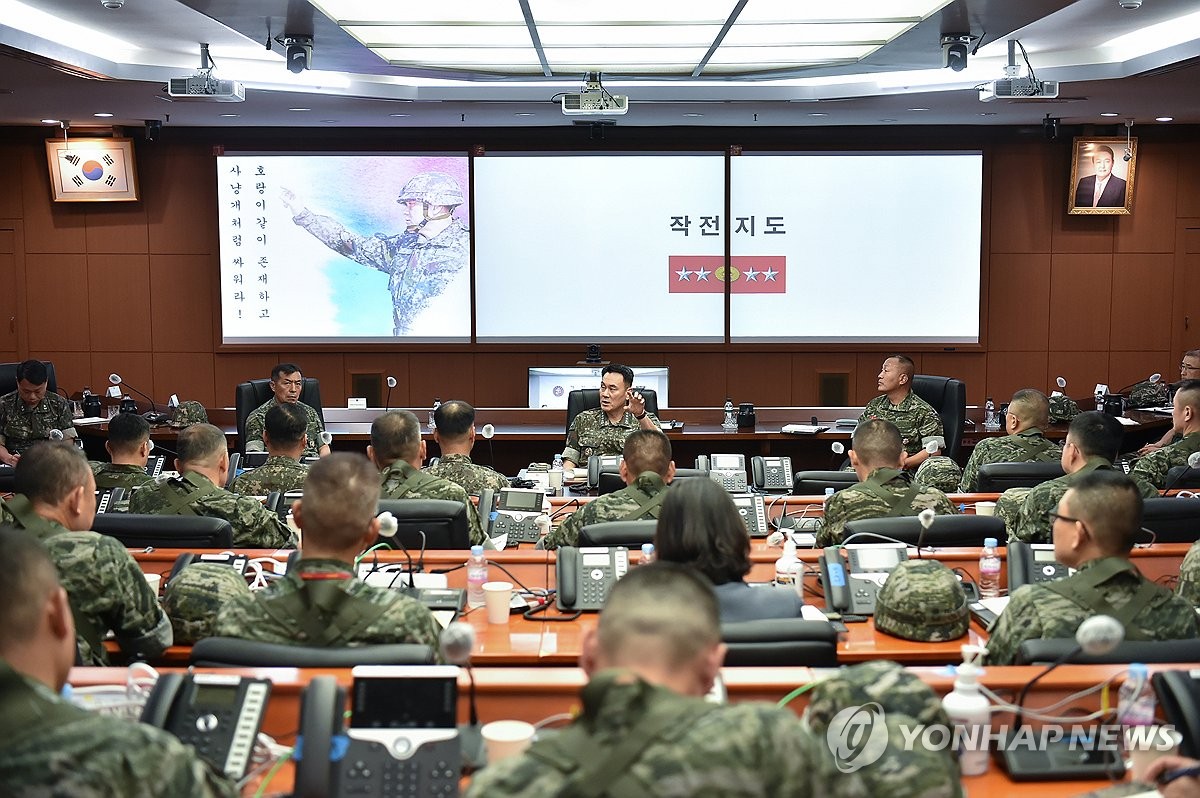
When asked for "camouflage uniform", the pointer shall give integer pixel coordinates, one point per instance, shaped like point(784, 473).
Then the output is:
point(256, 423)
point(105, 585)
point(194, 596)
point(747, 749)
point(1028, 446)
point(886, 493)
point(321, 603)
point(22, 426)
point(50, 747)
point(402, 481)
point(917, 421)
point(922, 600)
point(1189, 575)
point(419, 268)
point(254, 526)
point(118, 475)
point(1038, 611)
point(592, 433)
point(472, 478)
point(278, 473)
point(1153, 467)
point(642, 499)
point(1033, 523)
point(1008, 507)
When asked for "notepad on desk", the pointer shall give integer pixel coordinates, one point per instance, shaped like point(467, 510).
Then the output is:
point(803, 429)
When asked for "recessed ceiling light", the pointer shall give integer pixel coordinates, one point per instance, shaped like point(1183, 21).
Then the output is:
point(102, 115)
point(918, 109)
point(693, 114)
point(299, 109)
point(987, 113)
point(1164, 118)
point(399, 115)
point(230, 116)
point(328, 121)
point(887, 120)
point(818, 113)
point(1110, 113)
point(518, 113)
point(50, 121)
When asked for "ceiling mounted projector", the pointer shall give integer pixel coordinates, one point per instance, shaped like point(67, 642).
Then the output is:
point(594, 100)
point(203, 87)
point(1014, 85)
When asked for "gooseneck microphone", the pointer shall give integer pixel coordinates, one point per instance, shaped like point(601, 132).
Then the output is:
point(1153, 379)
point(115, 379)
point(1096, 636)
point(926, 517)
point(391, 383)
point(456, 643)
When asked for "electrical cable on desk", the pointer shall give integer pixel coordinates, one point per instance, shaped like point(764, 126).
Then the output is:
point(560, 718)
point(573, 503)
point(532, 611)
point(809, 570)
point(540, 592)
point(967, 577)
point(1040, 713)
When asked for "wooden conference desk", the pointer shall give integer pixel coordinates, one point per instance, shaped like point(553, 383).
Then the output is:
point(536, 694)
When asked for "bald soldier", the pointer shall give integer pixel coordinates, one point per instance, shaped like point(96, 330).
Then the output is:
point(1185, 418)
point(1028, 414)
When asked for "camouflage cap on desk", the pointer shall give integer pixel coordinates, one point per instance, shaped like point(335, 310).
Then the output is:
point(1063, 408)
point(187, 414)
point(1149, 394)
point(922, 600)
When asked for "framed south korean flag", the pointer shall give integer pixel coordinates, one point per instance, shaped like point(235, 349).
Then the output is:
point(92, 170)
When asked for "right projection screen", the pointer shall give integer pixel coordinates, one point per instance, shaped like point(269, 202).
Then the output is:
point(856, 247)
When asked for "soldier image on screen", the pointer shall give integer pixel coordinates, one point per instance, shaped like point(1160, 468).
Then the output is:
point(421, 261)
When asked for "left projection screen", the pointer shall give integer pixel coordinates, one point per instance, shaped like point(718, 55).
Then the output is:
point(328, 248)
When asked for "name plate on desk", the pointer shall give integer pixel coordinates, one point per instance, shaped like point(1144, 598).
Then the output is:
point(356, 403)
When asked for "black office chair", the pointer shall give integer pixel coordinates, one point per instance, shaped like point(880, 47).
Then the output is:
point(1046, 651)
point(7, 480)
point(999, 477)
point(8, 378)
point(232, 652)
point(428, 524)
point(1172, 519)
point(814, 483)
point(1179, 696)
point(949, 398)
point(586, 398)
point(1178, 480)
point(946, 530)
point(249, 396)
point(619, 533)
point(138, 531)
point(780, 641)
point(610, 481)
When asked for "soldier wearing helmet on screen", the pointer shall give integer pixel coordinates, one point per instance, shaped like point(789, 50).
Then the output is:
point(421, 261)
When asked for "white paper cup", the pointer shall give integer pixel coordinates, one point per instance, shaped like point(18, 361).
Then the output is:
point(154, 580)
point(506, 738)
point(1143, 745)
point(556, 478)
point(496, 598)
point(985, 508)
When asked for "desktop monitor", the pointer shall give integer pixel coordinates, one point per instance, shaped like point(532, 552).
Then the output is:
point(550, 386)
point(428, 524)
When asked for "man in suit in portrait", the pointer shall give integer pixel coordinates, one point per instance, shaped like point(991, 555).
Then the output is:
point(1103, 189)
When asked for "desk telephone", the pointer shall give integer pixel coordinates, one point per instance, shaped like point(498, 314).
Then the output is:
point(601, 462)
point(1030, 563)
point(155, 464)
point(217, 714)
point(516, 515)
point(585, 575)
point(753, 510)
point(727, 470)
point(108, 498)
point(402, 739)
point(772, 473)
point(852, 575)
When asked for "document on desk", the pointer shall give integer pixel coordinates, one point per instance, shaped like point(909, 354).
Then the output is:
point(803, 429)
point(1126, 422)
point(811, 613)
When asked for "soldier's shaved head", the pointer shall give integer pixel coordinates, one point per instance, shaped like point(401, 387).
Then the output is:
point(1031, 407)
point(877, 444)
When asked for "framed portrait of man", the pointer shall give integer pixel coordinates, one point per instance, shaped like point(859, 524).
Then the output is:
point(1102, 171)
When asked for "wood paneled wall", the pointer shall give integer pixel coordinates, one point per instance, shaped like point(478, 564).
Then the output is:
point(132, 288)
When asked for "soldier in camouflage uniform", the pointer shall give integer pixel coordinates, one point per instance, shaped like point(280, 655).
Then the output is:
point(397, 450)
point(1093, 442)
point(1093, 533)
point(285, 438)
point(422, 261)
point(647, 469)
point(1189, 575)
point(129, 446)
point(603, 429)
point(886, 491)
point(286, 384)
point(1028, 413)
point(203, 465)
point(1189, 369)
point(56, 502)
point(1185, 418)
point(196, 594)
point(48, 746)
point(919, 425)
point(321, 602)
point(28, 414)
point(644, 728)
point(455, 436)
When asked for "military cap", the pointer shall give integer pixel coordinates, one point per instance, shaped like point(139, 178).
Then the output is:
point(922, 600)
point(436, 188)
point(1149, 394)
point(193, 598)
point(187, 414)
point(1063, 408)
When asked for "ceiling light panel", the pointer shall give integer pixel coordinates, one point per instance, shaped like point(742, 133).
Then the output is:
point(782, 33)
point(631, 11)
point(790, 10)
point(628, 35)
point(482, 58)
point(377, 36)
point(349, 11)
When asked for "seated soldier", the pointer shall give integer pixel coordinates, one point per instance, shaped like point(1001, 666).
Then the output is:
point(1093, 443)
point(1093, 526)
point(647, 469)
point(1028, 414)
point(48, 746)
point(286, 384)
point(284, 437)
point(455, 435)
point(203, 466)
point(56, 502)
point(397, 450)
point(603, 430)
point(1185, 418)
point(321, 602)
point(644, 728)
point(1189, 369)
point(129, 447)
point(28, 414)
point(885, 489)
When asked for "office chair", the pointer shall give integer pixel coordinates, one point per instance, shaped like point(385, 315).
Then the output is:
point(1172, 519)
point(1179, 696)
point(586, 398)
point(610, 481)
point(946, 530)
point(1045, 651)
point(999, 477)
point(619, 533)
point(250, 395)
point(139, 531)
point(7, 480)
point(814, 483)
point(232, 652)
point(1178, 481)
point(949, 398)
point(8, 378)
point(428, 524)
point(780, 641)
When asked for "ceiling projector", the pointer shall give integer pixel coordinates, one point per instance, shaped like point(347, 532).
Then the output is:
point(594, 100)
point(1018, 89)
point(203, 87)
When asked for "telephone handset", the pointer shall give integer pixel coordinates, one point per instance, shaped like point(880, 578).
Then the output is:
point(1030, 563)
point(772, 473)
point(155, 464)
point(585, 575)
point(601, 462)
point(109, 498)
point(217, 714)
point(852, 575)
point(835, 579)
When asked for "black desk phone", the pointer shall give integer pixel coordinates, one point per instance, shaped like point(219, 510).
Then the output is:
point(585, 575)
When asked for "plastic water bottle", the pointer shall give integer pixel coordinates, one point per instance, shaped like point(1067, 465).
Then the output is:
point(969, 713)
point(556, 475)
point(989, 570)
point(730, 421)
point(477, 574)
point(648, 555)
point(436, 404)
point(1136, 705)
point(990, 421)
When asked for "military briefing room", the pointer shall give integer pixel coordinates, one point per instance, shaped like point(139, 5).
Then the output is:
point(775, 258)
